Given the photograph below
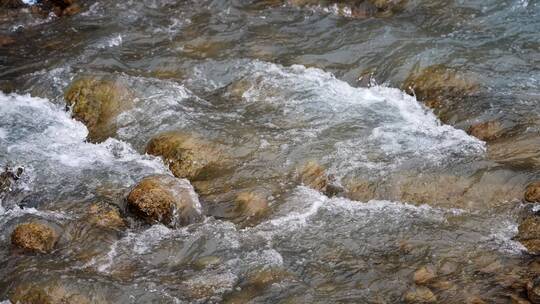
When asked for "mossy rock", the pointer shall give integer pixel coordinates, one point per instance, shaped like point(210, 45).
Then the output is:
point(97, 102)
point(165, 199)
point(188, 156)
point(35, 237)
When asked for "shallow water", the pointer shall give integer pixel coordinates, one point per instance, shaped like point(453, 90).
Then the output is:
point(276, 85)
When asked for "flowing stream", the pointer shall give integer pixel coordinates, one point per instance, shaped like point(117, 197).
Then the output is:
point(276, 84)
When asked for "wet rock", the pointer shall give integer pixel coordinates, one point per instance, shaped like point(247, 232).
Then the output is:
point(533, 290)
point(470, 192)
point(314, 176)
point(424, 275)
point(165, 199)
point(105, 216)
point(187, 155)
point(97, 102)
point(46, 294)
point(439, 87)
point(420, 295)
point(529, 234)
point(361, 190)
point(486, 131)
point(34, 236)
point(532, 192)
point(251, 204)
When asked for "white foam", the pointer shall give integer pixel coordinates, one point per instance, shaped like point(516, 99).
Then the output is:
point(39, 131)
point(387, 128)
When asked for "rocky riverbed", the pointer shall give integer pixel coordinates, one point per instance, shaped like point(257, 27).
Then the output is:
point(277, 151)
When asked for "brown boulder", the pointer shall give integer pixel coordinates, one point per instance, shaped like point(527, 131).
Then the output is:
point(97, 102)
point(439, 86)
point(165, 199)
point(35, 237)
point(188, 156)
point(529, 234)
point(532, 192)
point(486, 131)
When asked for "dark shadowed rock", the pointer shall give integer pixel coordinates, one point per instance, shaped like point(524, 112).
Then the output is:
point(533, 290)
point(165, 199)
point(34, 236)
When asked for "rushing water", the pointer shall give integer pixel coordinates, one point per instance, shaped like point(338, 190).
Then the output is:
point(276, 85)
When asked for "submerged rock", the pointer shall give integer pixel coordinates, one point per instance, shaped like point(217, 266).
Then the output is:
point(187, 155)
point(439, 87)
point(532, 192)
point(529, 234)
point(97, 102)
point(251, 204)
point(424, 275)
point(105, 216)
point(420, 295)
point(165, 199)
point(35, 237)
point(314, 176)
point(256, 282)
point(46, 294)
point(486, 131)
